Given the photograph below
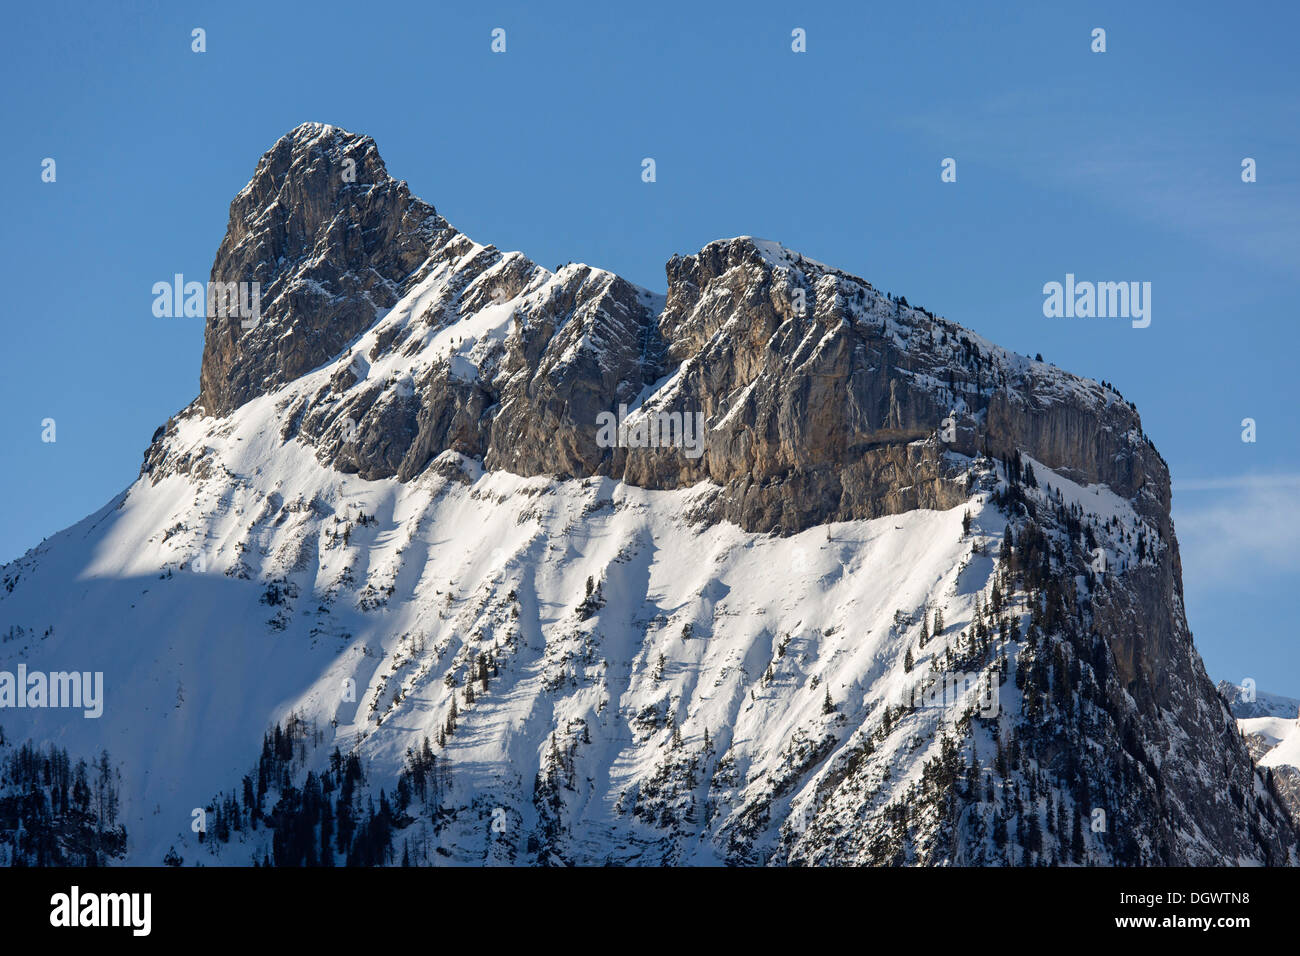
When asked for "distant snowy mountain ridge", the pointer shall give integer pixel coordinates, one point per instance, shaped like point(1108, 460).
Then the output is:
point(1271, 726)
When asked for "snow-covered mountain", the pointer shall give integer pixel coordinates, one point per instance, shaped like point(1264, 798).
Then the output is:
point(1248, 703)
point(1271, 726)
point(392, 589)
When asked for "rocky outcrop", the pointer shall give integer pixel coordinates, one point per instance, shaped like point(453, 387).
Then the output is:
point(822, 399)
point(331, 239)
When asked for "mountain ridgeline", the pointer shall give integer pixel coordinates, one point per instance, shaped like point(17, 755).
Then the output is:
point(912, 599)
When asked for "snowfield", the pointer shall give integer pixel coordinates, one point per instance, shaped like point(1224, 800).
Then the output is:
point(284, 587)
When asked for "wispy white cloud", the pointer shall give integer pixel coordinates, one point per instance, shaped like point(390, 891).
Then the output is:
point(1173, 170)
point(1238, 482)
point(1237, 532)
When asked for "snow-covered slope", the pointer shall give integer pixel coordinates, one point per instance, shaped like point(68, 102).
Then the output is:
point(275, 586)
point(1270, 725)
point(1281, 735)
point(216, 608)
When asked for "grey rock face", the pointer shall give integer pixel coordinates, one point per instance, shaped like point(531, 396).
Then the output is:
point(815, 388)
point(822, 399)
point(332, 239)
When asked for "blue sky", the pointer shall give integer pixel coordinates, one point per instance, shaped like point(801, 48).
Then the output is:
point(1123, 165)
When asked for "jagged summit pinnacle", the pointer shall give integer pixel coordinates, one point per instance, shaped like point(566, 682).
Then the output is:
point(331, 240)
point(770, 250)
point(313, 130)
point(327, 136)
point(302, 150)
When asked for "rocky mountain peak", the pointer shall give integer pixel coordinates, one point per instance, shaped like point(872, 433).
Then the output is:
point(331, 240)
point(823, 398)
point(687, 638)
